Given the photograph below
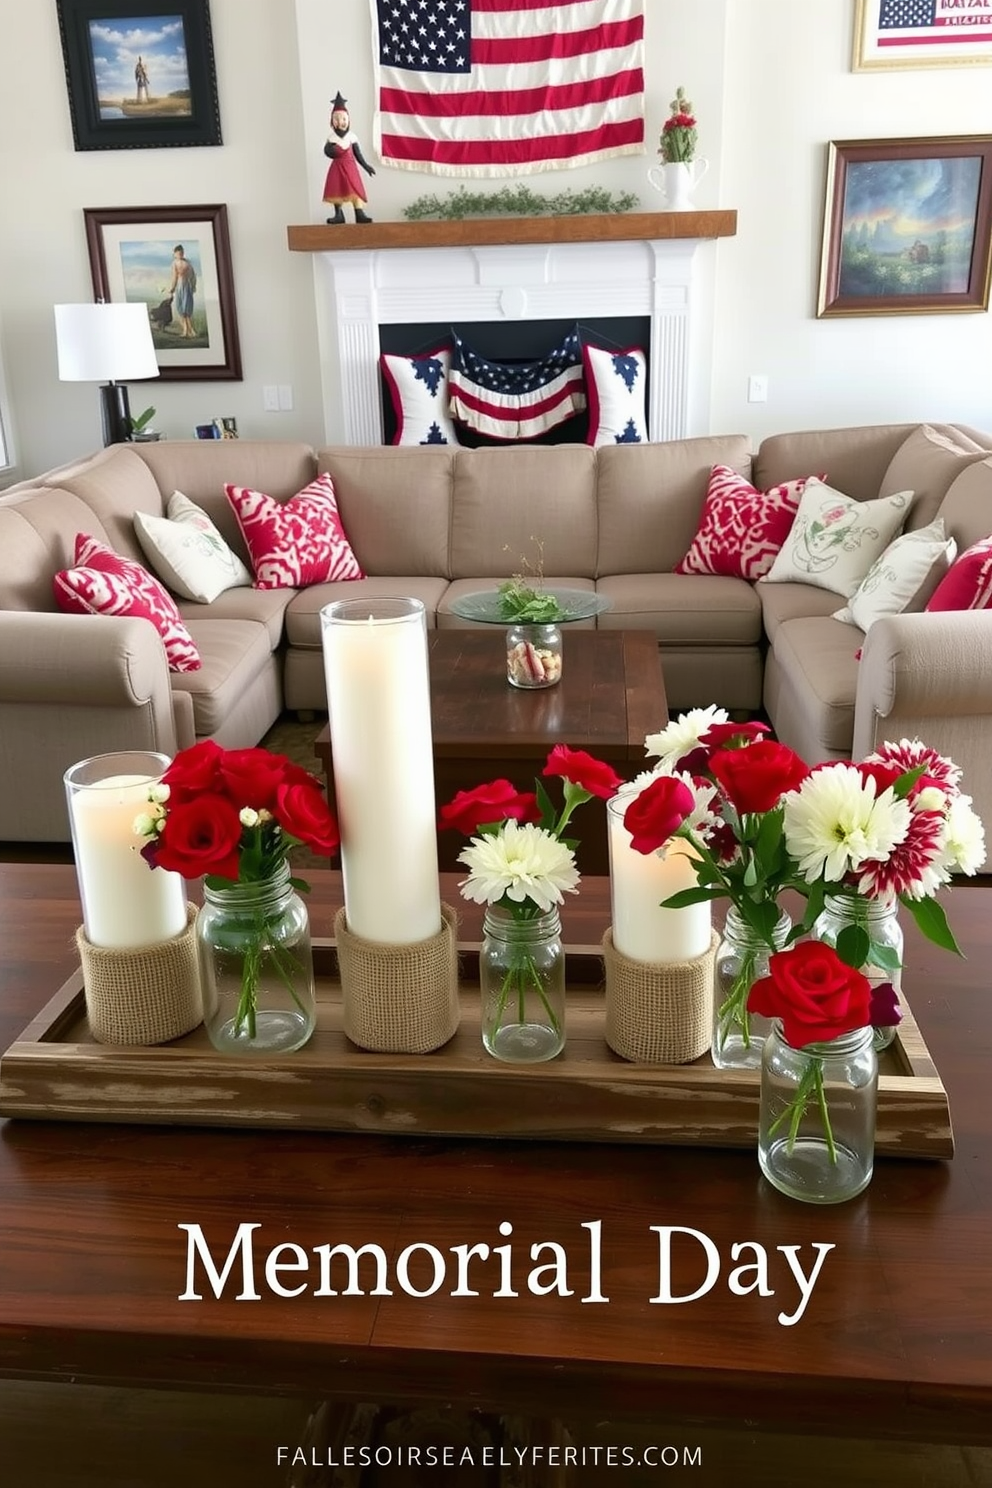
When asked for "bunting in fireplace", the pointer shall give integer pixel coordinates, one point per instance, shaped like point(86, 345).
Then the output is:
point(504, 87)
point(516, 400)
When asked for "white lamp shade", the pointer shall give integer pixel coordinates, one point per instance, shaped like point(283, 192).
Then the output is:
point(104, 343)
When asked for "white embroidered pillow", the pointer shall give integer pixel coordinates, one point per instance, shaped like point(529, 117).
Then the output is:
point(835, 540)
point(904, 578)
point(188, 553)
point(616, 385)
point(418, 387)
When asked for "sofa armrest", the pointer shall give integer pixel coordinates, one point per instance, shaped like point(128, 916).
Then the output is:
point(72, 686)
point(930, 676)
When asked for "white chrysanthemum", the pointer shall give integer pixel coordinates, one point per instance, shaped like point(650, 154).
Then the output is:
point(682, 736)
point(834, 822)
point(702, 818)
point(964, 843)
point(521, 861)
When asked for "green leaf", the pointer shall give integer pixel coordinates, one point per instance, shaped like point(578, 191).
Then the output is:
point(852, 946)
point(301, 885)
point(816, 894)
point(905, 783)
point(932, 921)
point(685, 897)
point(885, 956)
point(545, 805)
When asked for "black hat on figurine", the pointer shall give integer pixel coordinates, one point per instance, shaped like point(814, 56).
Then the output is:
point(338, 102)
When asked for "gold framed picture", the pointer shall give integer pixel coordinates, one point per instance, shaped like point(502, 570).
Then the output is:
point(922, 33)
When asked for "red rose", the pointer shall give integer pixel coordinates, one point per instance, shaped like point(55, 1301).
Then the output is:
point(194, 771)
point(303, 812)
point(251, 777)
point(200, 836)
point(756, 778)
point(496, 801)
point(720, 735)
point(883, 775)
point(657, 812)
point(815, 994)
point(593, 775)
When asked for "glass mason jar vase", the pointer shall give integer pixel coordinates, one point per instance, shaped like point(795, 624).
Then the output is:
point(533, 655)
point(816, 1120)
point(880, 941)
point(256, 966)
point(741, 959)
point(522, 977)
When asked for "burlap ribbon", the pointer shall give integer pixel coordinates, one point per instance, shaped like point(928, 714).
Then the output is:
point(659, 1013)
point(399, 999)
point(145, 994)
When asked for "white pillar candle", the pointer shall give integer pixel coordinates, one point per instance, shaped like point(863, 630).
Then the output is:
point(126, 902)
point(379, 707)
point(639, 882)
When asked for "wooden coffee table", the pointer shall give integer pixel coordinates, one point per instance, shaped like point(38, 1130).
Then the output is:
point(611, 695)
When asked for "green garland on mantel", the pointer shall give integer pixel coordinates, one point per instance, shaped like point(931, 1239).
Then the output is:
point(517, 201)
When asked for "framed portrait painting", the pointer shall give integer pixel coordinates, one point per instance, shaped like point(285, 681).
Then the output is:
point(176, 261)
point(922, 33)
point(907, 227)
point(139, 73)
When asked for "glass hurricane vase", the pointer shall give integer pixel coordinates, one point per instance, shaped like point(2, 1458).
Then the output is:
point(816, 1119)
point(741, 959)
point(879, 935)
point(256, 966)
point(522, 979)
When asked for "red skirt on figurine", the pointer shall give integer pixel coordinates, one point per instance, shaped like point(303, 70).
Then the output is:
point(343, 184)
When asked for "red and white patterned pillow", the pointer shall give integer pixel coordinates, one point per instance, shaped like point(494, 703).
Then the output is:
point(103, 583)
point(741, 528)
point(967, 585)
point(297, 542)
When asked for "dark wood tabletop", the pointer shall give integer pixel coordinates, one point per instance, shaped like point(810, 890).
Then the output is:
point(895, 1337)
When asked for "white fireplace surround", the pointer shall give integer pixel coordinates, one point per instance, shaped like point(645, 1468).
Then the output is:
point(362, 289)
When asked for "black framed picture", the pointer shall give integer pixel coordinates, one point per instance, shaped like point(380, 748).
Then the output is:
point(140, 73)
point(176, 261)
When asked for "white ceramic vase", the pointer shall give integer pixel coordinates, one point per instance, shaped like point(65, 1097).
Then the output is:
point(676, 180)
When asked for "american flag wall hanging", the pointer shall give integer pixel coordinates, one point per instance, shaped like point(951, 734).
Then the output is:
point(507, 87)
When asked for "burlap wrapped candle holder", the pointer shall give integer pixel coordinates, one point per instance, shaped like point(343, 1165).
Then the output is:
point(399, 999)
point(659, 1013)
point(144, 994)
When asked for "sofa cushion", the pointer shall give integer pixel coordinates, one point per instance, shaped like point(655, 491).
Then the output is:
point(187, 552)
point(520, 505)
point(616, 385)
point(303, 610)
point(418, 388)
point(835, 540)
point(101, 582)
point(855, 459)
point(903, 578)
point(687, 609)
point(234, 653)
point(927, 463)
point(650, 497)
point(114, 484)
point(741, 529)
point(296, 542)
point(265, 606)
point(967, 507)
point(377, 489)
point(38, 526)
point(968, 584)
point(813, 672)
point(781, 602)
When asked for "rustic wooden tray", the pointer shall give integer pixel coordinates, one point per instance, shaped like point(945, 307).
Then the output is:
point(56, 1071)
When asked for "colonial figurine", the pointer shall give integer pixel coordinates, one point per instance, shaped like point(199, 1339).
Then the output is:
point(343, 184)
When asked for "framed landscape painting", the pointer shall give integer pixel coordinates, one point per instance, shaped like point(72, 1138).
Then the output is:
point(922, 33)
point(176, 261)
point(907, 227)
point(140, 73)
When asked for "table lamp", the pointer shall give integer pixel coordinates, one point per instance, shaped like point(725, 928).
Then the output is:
point(106, 343)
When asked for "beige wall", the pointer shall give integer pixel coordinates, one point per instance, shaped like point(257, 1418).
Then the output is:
point(771, 82)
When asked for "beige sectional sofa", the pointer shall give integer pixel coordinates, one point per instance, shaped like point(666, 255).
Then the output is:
point(436, 523)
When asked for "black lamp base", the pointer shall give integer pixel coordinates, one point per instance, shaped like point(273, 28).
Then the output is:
point(116, 413)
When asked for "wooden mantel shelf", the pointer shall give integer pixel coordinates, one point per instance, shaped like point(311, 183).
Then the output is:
point(475, 232)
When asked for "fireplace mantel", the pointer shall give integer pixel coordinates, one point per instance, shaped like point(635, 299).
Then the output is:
point(475, 232)
point(513, 268)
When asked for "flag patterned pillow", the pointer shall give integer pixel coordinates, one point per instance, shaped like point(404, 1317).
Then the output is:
point(967, 585)
point(741, 528)
point(101, 582)
point(616, 386)
point(297, 542)
point(418, 387)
